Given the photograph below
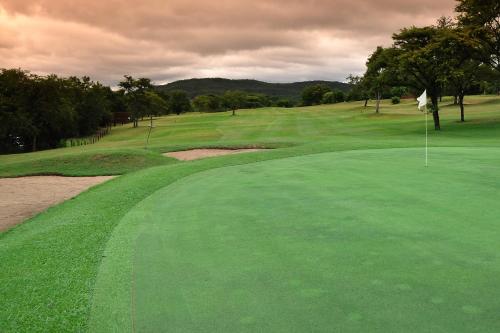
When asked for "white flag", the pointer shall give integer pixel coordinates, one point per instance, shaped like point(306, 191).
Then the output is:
point(422, 100)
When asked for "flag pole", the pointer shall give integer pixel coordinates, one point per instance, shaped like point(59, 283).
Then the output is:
point(149, 132)
point(422, 101)
point(426, 139)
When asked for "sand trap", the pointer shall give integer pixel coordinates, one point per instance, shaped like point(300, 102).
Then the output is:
point(194, 154)
point(24, 197)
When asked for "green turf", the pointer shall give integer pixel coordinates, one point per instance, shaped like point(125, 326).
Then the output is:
point(61, 264)
point(353, 241)
point(344, 126)
point(114, 162)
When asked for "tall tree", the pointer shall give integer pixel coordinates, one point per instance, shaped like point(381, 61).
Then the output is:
point(313, 95)
point(91, 102)
point(53, 115)
point(135, 96)
point(207, 103)
point(359, 89)
point(482, 18)
point(427, 57)
point(380, 72)
point(178, 102)
point(16, 122)
point(234, 100)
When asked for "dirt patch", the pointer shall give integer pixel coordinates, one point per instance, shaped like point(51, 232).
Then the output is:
point(195, 154)
point(24, 197)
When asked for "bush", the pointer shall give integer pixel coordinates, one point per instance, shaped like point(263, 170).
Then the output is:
point(395, 100)
point(284, 103)
point(207, 103)
point(339, 96)
point(313, 95)
point(328, 98)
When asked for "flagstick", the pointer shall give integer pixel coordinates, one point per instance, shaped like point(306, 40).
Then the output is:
point(150, 129)
point(426, 140)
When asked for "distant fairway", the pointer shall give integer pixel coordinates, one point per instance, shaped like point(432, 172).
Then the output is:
point(339, 228)
point(353, 241)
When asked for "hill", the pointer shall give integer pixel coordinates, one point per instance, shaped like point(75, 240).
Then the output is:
point(195, 87)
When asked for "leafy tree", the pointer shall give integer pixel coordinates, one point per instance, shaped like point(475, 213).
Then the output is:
point(136, 99)
point(284, 103)
point(332, 97)
point(178, 102)
point(328, 98)
point(432, 57)
point(91, 103)
point(339, 96)
point(426, 58)
point(489, 80)
point(380, 73)
point(461, 79)
point(482, 19)
point(399, 91)
point(255, 101)
point(359, 89)
point(16, 122)
point(52, 114)
point(207, 103)
point(157, 105)
point(313, 95)
point(116, 100)
point(234, 100)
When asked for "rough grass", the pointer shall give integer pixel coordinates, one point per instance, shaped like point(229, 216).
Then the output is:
point(114, 162)
point(50, 264)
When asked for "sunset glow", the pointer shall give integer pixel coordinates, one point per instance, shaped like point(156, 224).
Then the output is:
point(276, 41)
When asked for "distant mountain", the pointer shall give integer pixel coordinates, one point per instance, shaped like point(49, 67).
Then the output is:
point(195, 87)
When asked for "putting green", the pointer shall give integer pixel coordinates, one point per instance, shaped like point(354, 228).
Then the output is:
point(352, 241)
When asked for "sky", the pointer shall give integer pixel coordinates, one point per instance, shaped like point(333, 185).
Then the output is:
point(167, 40)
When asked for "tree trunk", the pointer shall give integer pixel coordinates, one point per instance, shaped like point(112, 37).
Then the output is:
point(377, 110)
point(234, 112)
point(366, 102)
point(461, 102)
point(455, 100)
point(435, 113)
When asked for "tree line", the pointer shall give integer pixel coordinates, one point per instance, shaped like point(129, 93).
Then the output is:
point(456, 56)
point(38, 112)
point(43, 112)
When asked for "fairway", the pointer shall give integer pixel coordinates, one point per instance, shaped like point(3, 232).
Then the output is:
point(353, 241)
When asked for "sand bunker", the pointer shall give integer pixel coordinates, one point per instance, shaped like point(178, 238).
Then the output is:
point(24, 197)
point(194, 154)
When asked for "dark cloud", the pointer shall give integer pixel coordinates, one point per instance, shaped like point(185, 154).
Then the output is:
point(274, 40)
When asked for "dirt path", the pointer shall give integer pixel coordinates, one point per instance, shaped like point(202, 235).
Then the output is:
point(24, 197)
point(194, 154)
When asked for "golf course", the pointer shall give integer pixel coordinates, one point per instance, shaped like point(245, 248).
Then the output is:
point(334, 224)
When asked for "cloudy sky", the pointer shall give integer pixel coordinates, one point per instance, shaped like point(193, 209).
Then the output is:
point(272, 40)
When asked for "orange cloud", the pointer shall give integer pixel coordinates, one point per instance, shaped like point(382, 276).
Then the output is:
point(272, 40)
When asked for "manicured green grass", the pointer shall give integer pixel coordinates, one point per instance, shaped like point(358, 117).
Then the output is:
point(352, 242)
point(71, 268)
